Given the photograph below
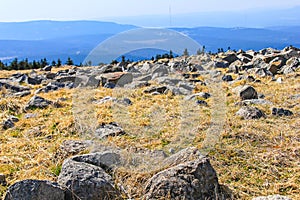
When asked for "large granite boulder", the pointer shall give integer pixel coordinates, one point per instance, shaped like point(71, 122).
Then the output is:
point(35, 190)
point(192, 180)
point(86, 181)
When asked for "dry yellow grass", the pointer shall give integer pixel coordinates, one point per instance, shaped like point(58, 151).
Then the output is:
point(5, 73)
point(252, 157)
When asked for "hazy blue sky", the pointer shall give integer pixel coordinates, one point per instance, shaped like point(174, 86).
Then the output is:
point(24, 10)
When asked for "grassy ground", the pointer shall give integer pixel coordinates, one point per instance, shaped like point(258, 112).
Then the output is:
point(251, 157)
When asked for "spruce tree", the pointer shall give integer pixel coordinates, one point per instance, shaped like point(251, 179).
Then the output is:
point(58, 64)
point(69, 61)
point(185, 52)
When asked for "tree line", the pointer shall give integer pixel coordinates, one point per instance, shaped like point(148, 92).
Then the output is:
point(24, 64)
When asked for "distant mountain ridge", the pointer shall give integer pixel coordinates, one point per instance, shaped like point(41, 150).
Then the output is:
point(75, 39)
point(244, 38)
point(42, 30)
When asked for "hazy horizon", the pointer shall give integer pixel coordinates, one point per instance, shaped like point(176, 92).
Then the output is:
point(167, 13)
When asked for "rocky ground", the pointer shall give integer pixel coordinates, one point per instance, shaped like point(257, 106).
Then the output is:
point(222, 126)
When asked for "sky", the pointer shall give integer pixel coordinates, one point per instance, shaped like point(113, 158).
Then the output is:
point(27, 10)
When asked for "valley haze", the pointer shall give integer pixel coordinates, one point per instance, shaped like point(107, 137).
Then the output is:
point(75, 39)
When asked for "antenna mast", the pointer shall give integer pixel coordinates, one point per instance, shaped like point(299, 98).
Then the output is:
point(170, 13)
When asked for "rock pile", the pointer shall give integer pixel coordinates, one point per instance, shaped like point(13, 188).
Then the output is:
point(189, 175)
point(186, 174)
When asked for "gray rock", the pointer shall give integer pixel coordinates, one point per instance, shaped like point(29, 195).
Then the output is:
point(192, 180)
point(276, 64)
point(246, 92)
point(159, 89)
point(7, 124)
point(38, 102)
point(279, 80)
point(260, 95)
point(47, 68)
point(146, 68)
point(35, 190)
point(124, 101)
point(255, 102)
point(93, 81)
point(137, 84)
point(227, 78)
point(243, 77)
point(215, 73)
point(251, 79)
point(258, 62)
point(287, 70)
point(220, 64)
point(272, 197)
point(14, 88)
point(30, 115)
point(73, 147)
point(106, 130)
point(293, 62)
point(22, 94)
point(109, 85)
point(13, 118)
point(230, 58)
point(19, 78)
point(62, 79)
point(113, 68)
point(248, 112)
point(50, 75)
point(245, 57)
point(86, 181)
point(262, 72)
point(295, 97)
point(251, 52)
point(53, 86)
point(177, 66)
point(185, 155)
point(3, 180)
point(247, 67)
point(126, 78)
point(187, 86)
point(281, 112)
point(155, 93)
point(167, 80)
point(178, 90)
point(107, 160)
point(291, 66)
point(105, 100)
point(34, 80)
point(133, 70)
point(196, 68)
point(159, 71)
point(235, 66)
point(201, 102)
point(143, 78)
point(203, 95)
point(269, 51)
